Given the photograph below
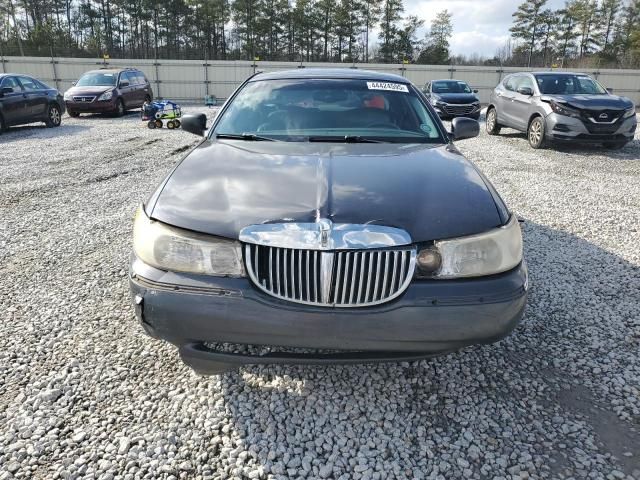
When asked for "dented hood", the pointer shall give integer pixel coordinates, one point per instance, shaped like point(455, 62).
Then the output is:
point(430, 191)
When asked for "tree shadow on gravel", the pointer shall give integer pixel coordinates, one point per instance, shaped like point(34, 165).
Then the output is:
point(555, 398)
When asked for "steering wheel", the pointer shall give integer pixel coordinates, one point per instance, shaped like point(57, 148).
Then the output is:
point(383, 125)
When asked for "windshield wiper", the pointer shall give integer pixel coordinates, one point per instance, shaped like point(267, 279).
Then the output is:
point(345, 138)
point(245, 136)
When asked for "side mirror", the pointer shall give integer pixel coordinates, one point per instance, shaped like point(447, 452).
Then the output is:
point(196, 124)
point(123, 84)
point(528, 91)
point(6, 90)
point(610, 90)
point(462, 128)
point(73, 84)
point(475, 90)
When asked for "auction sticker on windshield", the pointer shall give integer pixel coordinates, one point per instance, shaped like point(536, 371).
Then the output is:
point(392, 87)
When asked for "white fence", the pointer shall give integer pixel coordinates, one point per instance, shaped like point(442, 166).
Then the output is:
point(191, 80)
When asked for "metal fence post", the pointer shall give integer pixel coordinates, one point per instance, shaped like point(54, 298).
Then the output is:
point(206, 73)
point(156, 65)
point(2, 61)
point(55, 71)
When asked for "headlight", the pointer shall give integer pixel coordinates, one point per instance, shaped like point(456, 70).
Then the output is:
point(108, 95)
point(436, 101)
point(630, 112)
point(174, 249)
point(564, 110)
point(67, 96)
point(488, 253)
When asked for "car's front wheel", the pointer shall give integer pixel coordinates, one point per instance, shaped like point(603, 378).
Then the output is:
point(492, 122)
point(54, 116)
point(120, 110)
point(536, 133)
point(73, 114)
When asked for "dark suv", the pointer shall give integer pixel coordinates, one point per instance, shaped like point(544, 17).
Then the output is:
point(561, 106)
point(108, 91)
point(452, 98)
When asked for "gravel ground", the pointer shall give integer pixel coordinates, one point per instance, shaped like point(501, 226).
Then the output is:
point(84, 394)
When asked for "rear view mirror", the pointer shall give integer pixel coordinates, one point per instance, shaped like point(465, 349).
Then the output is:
point(123, 84)
point(73, 84)
point(196, 124)
point(475, 90)
point(6, 90)
point(525, 91)
point(462, 128)
point(610, 90)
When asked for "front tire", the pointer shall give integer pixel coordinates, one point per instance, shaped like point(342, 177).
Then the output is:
point(536, 133)
point(73, 114)
point(120, 110)
point(492, 122)
point(54, 116)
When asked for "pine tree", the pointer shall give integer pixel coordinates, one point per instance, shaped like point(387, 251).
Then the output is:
point(527, 23)
point(437, 40)
point(391, 15)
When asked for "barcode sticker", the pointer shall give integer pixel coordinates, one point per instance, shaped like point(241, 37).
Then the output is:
point(391, 87)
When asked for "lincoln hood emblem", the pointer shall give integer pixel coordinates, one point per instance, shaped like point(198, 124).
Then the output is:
point(325, 231)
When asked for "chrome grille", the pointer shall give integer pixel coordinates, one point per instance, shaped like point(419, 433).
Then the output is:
point(84, 98)
point(344, 278)
point(452, 109)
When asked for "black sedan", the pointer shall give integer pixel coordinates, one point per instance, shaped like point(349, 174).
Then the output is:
point(326, 210)
point(24, 99)
point(453, 98)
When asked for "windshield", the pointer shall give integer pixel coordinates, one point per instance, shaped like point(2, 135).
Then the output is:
point(450, 86)
point(97, 80)
point(329, 110)
point(551, 84)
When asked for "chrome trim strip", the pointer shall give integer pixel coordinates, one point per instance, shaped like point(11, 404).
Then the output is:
point(324, 235)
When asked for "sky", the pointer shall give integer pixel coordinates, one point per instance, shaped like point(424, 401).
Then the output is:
point(479, 26)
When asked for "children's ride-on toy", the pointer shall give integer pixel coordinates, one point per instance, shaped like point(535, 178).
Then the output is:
point(156, 112)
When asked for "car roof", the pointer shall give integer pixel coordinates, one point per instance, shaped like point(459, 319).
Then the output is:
point(446, 80)
point(112, 70)
point(10, 74)
point(341, 73)
point(553, 72)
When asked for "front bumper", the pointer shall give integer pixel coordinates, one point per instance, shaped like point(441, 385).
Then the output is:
point(430, 317)
point(448, 112)
point(94, 106)
point(563, 128)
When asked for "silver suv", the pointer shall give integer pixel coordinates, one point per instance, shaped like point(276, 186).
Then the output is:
point(561, 106)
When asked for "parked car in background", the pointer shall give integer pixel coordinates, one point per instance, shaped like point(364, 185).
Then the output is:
point(24, 99)
point(453, 98)
point(563, 107)
point(326, 209)
point(108, 91)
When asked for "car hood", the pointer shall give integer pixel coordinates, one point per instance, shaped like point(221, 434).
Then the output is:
point(430, 191)
point(456, 97)
point(592, 102)
point(88, 90)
